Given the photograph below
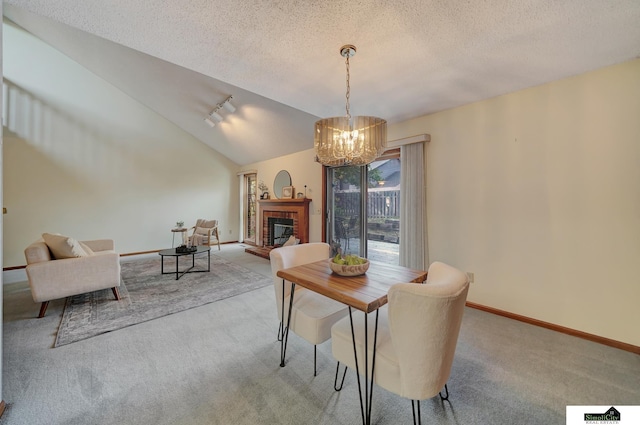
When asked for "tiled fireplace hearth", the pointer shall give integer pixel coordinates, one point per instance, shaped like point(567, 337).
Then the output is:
point(296, 210)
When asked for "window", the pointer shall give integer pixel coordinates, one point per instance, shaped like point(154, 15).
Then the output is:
point(250, 190)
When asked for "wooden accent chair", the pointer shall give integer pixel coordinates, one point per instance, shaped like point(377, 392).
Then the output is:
point(205, 232)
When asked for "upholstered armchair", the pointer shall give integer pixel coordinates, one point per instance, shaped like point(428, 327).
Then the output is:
point(417, 335)
point(312, 314)
point(205, 232)
point(67, 267)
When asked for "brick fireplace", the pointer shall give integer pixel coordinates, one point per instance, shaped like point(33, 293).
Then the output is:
point(296, 210)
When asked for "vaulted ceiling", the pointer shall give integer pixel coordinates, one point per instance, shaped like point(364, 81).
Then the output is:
point(280, 59)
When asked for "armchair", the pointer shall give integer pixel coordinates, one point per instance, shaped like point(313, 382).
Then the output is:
point(51, 278)
point(205, 232)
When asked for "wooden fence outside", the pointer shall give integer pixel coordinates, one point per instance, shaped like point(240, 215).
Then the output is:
point(383, 204)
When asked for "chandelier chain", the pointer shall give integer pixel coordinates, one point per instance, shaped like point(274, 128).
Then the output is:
point(348, 89)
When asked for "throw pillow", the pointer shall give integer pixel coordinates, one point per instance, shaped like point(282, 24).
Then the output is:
point(86, 248)
point(196, 239)
point(291, 241)
point(201, 231)
point(63, 246)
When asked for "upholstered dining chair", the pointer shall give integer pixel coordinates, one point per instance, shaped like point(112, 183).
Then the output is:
point(312, 314)
point(205, 232)
point(417, 336)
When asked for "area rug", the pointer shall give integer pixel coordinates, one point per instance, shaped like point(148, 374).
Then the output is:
point(146, 295)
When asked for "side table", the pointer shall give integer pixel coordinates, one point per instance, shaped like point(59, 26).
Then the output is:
point(178, 230)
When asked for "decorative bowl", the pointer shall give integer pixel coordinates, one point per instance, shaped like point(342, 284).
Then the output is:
point(345, 270)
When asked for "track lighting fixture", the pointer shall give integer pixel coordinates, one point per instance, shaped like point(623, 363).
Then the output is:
point(214, 117)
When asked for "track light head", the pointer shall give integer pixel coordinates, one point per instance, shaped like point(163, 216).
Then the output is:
point(228, 106)
point(216, 116)
point(210, 122)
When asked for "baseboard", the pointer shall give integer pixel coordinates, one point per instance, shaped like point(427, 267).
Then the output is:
point(584, 335)
point(129, 254)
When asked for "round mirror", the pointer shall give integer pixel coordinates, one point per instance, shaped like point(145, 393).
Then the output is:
point(283, 179)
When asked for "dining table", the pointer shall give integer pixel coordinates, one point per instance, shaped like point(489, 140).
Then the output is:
point(366, 292)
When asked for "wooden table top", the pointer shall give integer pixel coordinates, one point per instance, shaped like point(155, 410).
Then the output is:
point(367, 292)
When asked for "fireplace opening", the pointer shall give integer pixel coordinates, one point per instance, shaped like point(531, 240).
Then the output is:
point(280, 229)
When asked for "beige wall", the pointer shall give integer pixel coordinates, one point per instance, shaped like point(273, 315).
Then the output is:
point(84, 159)
point(538, 193)
point(303, 171)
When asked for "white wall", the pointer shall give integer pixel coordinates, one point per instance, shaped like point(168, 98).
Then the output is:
point(2, 221)
point(304, 171)
point(537, 192)
point(84, 159)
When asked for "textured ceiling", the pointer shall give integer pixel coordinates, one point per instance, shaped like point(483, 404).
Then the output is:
point(281, 60)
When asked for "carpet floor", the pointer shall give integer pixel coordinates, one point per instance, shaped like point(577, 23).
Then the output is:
point(147, 294)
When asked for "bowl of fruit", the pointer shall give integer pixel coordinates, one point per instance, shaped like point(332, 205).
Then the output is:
point(349, 265)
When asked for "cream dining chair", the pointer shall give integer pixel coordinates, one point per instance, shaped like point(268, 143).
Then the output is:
point(312, 315)
point(416, 339)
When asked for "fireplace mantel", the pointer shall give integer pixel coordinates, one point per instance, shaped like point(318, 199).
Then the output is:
point(297, 209)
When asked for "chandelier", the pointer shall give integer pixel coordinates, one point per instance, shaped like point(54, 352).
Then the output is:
point(349, 140)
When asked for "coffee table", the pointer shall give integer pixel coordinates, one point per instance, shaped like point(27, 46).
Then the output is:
point(179, 273)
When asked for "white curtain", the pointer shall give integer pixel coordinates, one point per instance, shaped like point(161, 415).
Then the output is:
point(414, 252)
point(242, 198)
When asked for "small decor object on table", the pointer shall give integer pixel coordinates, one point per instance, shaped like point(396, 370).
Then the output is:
point(287, 192)
point(186, 249)
point(264, 190)
point(349, 265)
point(179, 224)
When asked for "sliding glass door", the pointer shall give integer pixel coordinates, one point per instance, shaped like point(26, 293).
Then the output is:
point(346, 207)
point(363, 204)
